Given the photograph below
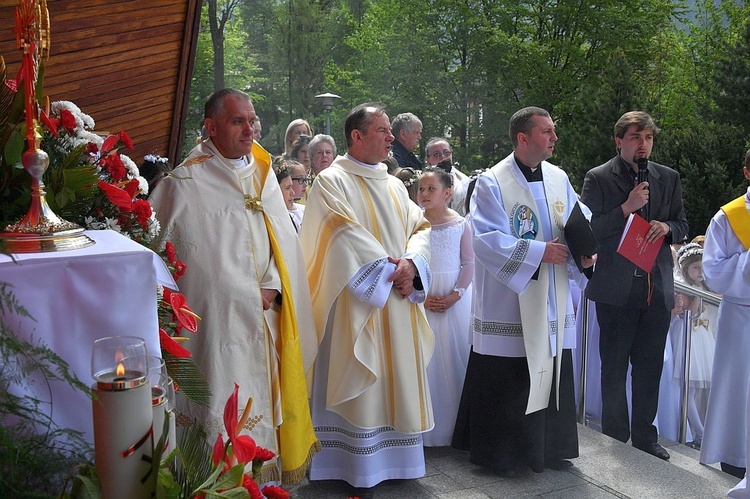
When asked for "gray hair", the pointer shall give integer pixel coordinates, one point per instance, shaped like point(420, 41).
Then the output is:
point(318, 139)
point(215, 103)
point(406, 122)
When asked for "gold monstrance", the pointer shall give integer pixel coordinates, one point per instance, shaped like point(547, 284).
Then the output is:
point(40, 230)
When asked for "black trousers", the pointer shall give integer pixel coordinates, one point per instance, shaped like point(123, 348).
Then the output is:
point(634, 334)
point(492, 423)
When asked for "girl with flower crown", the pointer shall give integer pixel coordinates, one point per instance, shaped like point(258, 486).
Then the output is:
point(702, 343)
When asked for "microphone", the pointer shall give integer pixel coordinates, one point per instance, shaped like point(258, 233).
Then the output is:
point(642, 170)
point(643, 177)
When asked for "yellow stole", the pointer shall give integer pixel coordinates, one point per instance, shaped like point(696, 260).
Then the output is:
point(739, 219)
point(297, 440)
point(533, 301)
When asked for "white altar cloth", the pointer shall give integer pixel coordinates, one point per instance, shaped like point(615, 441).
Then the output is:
point(78, 296)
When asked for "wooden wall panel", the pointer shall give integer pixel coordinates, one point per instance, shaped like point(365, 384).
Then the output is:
point(127, 63)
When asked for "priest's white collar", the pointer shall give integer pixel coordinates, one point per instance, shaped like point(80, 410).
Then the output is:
point(366, 165)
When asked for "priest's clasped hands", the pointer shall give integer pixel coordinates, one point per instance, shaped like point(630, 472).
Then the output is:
point(403, 277)
point(557, 254)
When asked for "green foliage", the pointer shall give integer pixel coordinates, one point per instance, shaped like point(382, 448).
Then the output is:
point(36, 456)
point(189, 378)
point(465, 66)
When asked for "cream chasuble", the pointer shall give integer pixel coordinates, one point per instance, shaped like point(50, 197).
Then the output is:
point(356, 217)
point(232, 229)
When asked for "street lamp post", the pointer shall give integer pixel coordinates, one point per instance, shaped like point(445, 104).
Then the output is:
point(328, 100)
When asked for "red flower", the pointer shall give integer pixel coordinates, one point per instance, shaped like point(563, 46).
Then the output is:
point(125, 139)
point(218, 453)
point(132, 187)
point(68, 121)
point(142, 211)
point(51, 124)
point(118, 197)
point(274, 492)
point(91, 148)
point(179, 269)
point(114, 166)
point(251, 487)
point(262, 454)
point(170, 345)
point(171, 253)
point(109, 143)
point(185, 317)
point(243, 446)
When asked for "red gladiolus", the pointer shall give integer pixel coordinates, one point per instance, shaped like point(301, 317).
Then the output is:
point(171, 346)
point(185, 317)
point(274, 492)
point(171, 253)
point(126, 140)
point(251, 487)
point(68, 121)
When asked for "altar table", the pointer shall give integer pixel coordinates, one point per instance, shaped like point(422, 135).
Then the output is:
point(76, 297)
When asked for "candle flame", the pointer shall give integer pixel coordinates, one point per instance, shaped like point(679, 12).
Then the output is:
point(120, 371)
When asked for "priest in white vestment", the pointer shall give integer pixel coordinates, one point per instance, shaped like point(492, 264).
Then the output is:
point(726, 268)
point(518, 404)
point(224, 212)
point(366, 249)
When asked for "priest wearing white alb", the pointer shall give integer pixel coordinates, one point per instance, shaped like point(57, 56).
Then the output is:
point(518, 406)
point(726, 268)
point(366, 248)
point(223, 210)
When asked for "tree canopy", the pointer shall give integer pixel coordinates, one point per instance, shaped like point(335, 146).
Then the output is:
point(464, 66)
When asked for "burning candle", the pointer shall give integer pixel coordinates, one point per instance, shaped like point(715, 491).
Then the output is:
point(123, 417)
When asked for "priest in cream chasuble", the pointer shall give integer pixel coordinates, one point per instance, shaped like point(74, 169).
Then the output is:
point(370, 394)
point(223, 210)
point(523, 318)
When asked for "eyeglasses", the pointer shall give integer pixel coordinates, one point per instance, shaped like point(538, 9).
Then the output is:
point(447, 153)
point(302, 180)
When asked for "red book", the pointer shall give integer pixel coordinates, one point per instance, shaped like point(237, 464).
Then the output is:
point(635, 247)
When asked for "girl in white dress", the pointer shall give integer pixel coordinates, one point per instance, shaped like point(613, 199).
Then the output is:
point(702, 341)
point(448, 305)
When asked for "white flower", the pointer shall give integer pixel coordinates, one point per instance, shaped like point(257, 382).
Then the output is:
point(130, 166)
point(159, 292)
point(113, 224)
point(142, 185)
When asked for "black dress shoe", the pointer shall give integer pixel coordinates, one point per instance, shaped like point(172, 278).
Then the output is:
point(655, 450)
point(557, 464)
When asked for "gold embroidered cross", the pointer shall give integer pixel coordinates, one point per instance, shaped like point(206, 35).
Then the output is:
point(541, 375)
point(253, 203)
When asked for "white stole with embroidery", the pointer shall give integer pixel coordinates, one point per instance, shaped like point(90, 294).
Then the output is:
point(524, 214)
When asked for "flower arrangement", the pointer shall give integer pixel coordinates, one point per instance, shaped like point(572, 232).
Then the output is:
point(231, 471)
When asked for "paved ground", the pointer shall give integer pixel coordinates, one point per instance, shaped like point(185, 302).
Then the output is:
point(606, 469)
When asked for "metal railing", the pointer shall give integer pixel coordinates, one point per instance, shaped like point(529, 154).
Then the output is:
point(707, 297)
